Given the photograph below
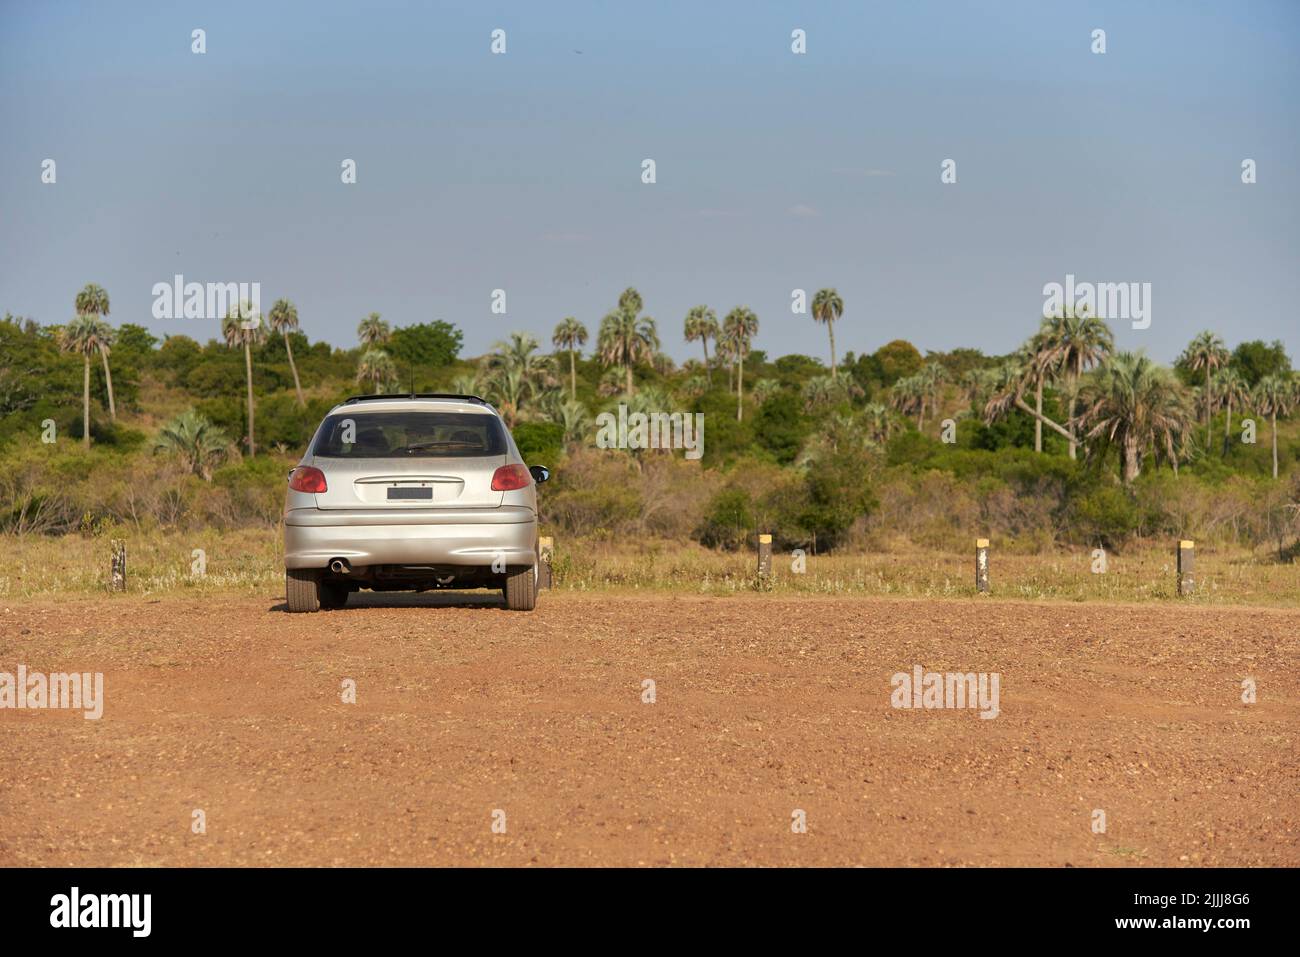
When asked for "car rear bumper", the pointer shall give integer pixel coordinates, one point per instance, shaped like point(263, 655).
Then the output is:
point(410, 536)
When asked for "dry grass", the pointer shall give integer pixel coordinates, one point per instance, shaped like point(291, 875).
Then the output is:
point(249, 561)
point(1236, 577)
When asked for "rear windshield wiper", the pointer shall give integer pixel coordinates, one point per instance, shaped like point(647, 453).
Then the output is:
point(425, 446)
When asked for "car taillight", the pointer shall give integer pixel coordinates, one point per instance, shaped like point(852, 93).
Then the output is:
point(510, 477)
point(307, 479)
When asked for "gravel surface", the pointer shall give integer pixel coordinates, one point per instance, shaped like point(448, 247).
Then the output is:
point(763, 706)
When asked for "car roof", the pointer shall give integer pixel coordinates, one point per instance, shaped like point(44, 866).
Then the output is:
point(416, 402)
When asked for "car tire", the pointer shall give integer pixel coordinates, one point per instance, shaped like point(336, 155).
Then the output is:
point(521, 588)
point(302, 589)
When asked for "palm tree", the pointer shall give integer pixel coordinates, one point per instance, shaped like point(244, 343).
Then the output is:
point(1075, 343)
point(520, 350)
point(572, 416)
point(505, 387)
point(739, 329)
point(1042, 359)
point(465, 384)
point(197, 442)
point(244, 327)
point(377, 368)
point(1206, 352)
point(629, 300)
point(1137, 406)
point(626, 337)
point(1011, 378)
point(977, 385)
point(373, 331)
point(724, 355)
point(516, 372)
point(611, 382)
point(1007, 384)
point(818, 392)
point(283, 318)
point(876, 418)
point(81, 335)
point(702, 323)
point(933, 375)
point(93, 301)
point(663, 363)
point(570, 334)
point(1232, 391)
point(916, 393)
point(764, 389)
point(828, 307)
point(907, 395)
point(649, 400)
point(1274, 395)
point(693, 386)
point(104, 338)
point(838, 432)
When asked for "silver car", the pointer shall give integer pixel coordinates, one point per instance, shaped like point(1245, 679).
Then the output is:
point(411, 492)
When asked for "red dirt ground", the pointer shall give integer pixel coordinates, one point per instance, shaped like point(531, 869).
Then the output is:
point(764, 705)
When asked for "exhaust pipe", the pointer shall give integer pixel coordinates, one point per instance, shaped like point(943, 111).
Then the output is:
point(340, 566)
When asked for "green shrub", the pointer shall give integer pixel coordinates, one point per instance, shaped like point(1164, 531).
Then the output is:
point(1105, 516)
point(540, 443)
point(781, 428)
point(728, 520)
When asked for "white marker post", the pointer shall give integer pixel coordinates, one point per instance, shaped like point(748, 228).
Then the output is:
point(1186, 565)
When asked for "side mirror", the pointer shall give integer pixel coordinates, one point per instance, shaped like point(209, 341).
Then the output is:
point(540, 473)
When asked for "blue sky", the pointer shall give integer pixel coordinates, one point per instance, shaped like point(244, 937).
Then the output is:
point(775, 171)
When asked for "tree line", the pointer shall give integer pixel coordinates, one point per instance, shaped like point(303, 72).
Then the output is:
point(1066, 379)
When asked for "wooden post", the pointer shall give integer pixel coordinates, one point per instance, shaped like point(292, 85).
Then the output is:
point(117, 581)
point(546, 547)
point(981, 564)
point(765, 557)
point(1186, 563)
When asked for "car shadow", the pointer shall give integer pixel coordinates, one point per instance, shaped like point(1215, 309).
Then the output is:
point(410, 599)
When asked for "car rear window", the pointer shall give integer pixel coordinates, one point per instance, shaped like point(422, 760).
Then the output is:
point(373, 435)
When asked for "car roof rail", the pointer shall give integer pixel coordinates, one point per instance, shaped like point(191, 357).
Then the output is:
point(415, 395)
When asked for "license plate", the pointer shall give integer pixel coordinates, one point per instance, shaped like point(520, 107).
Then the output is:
point(410, 493)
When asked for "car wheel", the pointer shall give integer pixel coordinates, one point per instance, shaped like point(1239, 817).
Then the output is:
point(521, 588)
point(302, 589)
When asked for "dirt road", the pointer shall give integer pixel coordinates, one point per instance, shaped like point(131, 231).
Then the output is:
point(763, 707)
